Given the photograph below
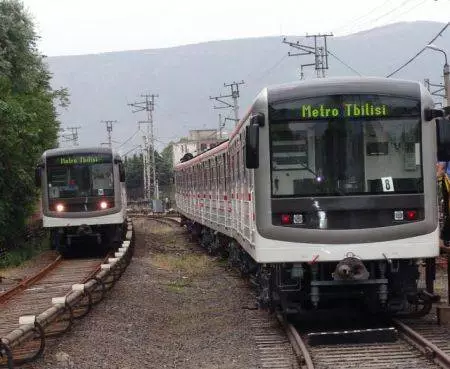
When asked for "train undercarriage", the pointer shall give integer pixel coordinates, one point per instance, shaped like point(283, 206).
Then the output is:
point(402, 287)
point(95, 238)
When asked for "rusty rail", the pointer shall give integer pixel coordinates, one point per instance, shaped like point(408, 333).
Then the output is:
point(29, 281)
point(429, 349)
point(297, 343)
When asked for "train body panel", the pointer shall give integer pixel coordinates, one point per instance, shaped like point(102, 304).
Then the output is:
point(345, 171)
point(115, 218)
point(270, 251)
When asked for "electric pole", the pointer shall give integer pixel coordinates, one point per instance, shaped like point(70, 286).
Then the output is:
point(109, 128)
point(319, 50)
point(234, 94)
point(446, 72)
point(150, 180)
point(439, 89)
point(221, 125)
point(73, 136)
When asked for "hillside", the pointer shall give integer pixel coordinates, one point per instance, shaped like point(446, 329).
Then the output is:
point(101, 85)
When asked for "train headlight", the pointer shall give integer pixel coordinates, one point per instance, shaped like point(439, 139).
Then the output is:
point(103, 205)
point(59, 208)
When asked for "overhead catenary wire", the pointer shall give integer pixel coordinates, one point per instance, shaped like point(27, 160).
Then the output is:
point(344, 63)
point(419, 52)
point(269, 70)
point(358, 19)
point(129, 139)
point(131, 150)
point(412, 8)
point(370, 22)
point(402, 4)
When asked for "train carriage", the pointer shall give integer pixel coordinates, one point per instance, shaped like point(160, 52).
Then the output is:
point(83, 196)
point(326, 192)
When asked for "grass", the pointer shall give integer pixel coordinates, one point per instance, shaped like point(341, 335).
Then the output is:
point(24, 252)
point(185, 268)
point(187, 265)
point(178, 285)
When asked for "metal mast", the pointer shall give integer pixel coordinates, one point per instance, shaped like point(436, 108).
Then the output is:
point(150, 180)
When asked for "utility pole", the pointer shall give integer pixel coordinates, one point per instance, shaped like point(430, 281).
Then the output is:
point(439, 89)
point(73, 136)
point(446, 73)
point(109, 128)
point(221, 125)
point(234, 94)
point(150, 181)
point(319, 50)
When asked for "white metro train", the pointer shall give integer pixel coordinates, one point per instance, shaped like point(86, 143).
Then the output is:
point(326, 193)
point(83, 195)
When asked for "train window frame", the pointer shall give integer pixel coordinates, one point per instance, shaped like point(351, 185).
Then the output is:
point(416, 115)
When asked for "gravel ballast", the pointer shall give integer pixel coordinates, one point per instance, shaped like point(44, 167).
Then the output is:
point(174, 307)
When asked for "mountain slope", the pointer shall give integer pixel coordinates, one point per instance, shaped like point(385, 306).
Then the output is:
point(101, 85)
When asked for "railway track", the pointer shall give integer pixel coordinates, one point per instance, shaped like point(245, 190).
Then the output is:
point(47, 304)
point(420, 344)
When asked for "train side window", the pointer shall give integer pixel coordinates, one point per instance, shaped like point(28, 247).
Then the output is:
point(195, 178)
point(121, 172)
point(238, 175)
point(217, 160)
point(212, 168)
point(205, 177)
point(224, 159)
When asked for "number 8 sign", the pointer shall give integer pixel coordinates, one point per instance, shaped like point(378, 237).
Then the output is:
point(388, 184)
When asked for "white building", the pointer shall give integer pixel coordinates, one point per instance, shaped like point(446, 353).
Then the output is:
point(198, 141)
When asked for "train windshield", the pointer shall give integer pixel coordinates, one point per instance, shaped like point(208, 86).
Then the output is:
point(80, 176)
point(346, 145)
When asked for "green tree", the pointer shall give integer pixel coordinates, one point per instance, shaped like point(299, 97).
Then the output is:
point(164, 173)
point(28, 118)
point(134, 177)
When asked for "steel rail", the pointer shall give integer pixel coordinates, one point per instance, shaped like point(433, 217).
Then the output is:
point(297, 343)
point(429, 349)
point(108, 273)
point(29, 281)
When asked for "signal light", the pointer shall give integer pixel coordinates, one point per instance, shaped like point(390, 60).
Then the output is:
point(59, 208)
point(286, 219)
point(411, 214)
point(103, 205)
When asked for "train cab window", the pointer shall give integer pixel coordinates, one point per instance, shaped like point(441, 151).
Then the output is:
point(67, 178)
point(347, 154)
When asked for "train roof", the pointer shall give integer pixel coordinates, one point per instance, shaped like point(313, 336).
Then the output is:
point(344, 85)
point(318, 87)
point(79, 150)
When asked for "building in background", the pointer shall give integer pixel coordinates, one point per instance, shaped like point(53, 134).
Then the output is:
point(198, 141)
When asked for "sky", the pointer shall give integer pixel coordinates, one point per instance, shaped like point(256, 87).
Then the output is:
point(74, 27)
